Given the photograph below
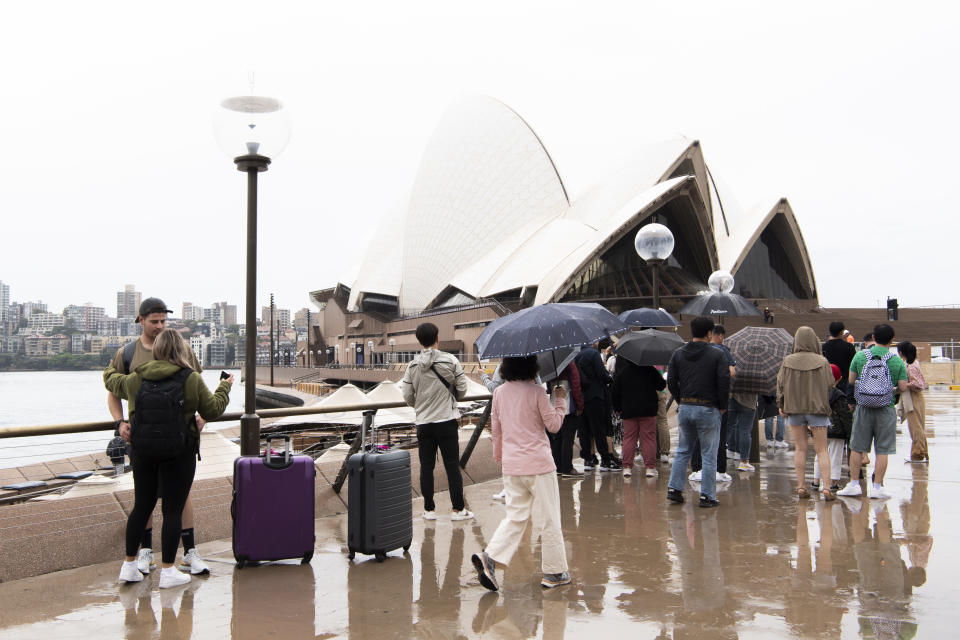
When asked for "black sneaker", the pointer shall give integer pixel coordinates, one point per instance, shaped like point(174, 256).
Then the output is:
point(815, 485)
point(835, 487)
point(675, 495)
point(707, 503)
point(588, 465)
point(485, 570)
point(611, 465)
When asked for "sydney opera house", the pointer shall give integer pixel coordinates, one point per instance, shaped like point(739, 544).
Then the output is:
point(490, 228)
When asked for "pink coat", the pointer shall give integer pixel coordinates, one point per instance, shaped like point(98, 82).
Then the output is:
point(520, 413)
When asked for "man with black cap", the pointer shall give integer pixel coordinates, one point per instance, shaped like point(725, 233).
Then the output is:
point(153, 317)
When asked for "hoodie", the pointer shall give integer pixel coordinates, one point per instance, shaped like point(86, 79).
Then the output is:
point(196, 397)
point(699, 374)
point(422, 389)
point(805, 379)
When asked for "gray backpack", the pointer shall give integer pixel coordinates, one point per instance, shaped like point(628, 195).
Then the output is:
point(875, 386)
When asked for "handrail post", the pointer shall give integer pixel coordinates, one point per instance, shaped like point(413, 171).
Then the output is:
point(481, 423)
point(354, 448)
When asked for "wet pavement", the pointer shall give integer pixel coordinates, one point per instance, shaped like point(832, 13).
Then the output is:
point(761, 565)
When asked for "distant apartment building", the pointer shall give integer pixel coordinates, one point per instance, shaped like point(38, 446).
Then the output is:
point(226, 313)
point(44, 322)
point(80, 343)
point(192, 312)
point(216, 352)
point(197, 343)
point(281, 318)
point(27, 309)
point(4, 305)
point(300, 318)
point(108, 326)
point(84, 318)
point(128, 302)
point(129, 327)
point(42, 346)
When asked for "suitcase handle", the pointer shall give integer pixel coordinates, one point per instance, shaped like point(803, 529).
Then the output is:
point(286, 452)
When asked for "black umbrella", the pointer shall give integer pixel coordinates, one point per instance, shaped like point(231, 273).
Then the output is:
point(759, 352)
point(648, 346)
point(645, 317)
point(720, 304)
point(547, 327)
point(552, 363)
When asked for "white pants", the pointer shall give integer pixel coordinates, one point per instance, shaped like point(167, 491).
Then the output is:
point(524, 494)
point(835, 451)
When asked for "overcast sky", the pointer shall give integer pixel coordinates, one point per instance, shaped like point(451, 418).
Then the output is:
point(109, 172)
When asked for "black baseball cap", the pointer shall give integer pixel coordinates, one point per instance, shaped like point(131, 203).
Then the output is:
point(152, 305)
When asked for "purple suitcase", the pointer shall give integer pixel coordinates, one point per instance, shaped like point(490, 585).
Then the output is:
point(273, 516)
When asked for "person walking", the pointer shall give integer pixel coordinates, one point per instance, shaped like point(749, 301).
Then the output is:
point(914, 405)
point(561, 443)
point(838, 433)
point(839, 352)
point(152, 317)
point(875, 416)
point(635, 395)
point(163, 454)
point(520, 417)
point(699, 379)
point(803, 395)
point(432, 384)
point(594, 381)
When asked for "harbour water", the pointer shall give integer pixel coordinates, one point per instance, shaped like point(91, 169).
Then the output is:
point(53, 397)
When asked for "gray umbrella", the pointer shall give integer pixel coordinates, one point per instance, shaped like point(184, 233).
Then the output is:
point(552, 363)
point(759, 352)
point(646, 317)
point(715, 303)
point(648, 346)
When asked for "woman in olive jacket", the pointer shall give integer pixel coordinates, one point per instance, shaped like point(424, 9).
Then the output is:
point(803, 395)
point(169, 476)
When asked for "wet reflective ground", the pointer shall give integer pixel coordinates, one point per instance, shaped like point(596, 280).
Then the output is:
point(762, 565)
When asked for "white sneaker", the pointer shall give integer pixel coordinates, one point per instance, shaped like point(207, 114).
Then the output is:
point(695, 476)
point(129, 572)
point(461, 515)
point(429, 515)
point(878, 492)
point(732, 455)
point(500, 496)
point(652, 473)
point(781, 444)
point(191, 560)
point(851, 490)
point(173, 577)
point(627, 472)
point(145, 560)
point(724, 477)
point(664, 459)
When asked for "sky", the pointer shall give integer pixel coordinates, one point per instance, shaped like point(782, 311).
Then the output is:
point(110, 173)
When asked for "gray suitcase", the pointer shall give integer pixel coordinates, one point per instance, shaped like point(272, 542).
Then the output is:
point(379, 501)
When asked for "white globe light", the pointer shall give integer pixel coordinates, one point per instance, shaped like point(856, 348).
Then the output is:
point(720, 281)
point(248, 125)
point(654, 242)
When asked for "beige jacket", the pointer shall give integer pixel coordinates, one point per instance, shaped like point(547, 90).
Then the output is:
point(805, 379)
point(422, 389)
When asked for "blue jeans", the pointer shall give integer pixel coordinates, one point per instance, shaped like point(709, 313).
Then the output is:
point(703, 423)
point(740, 425)
point(768, 428)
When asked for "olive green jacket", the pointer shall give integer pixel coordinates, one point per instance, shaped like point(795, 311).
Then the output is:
point(197, 398)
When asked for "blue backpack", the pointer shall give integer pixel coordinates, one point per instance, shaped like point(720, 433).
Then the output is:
point(875, 386)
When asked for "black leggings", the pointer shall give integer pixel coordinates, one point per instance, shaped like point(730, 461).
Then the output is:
point(593, 428)
point(172, 478)
point(561, 443)
point(445, 436)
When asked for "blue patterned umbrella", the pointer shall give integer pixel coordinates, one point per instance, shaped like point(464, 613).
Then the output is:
point(547, 327)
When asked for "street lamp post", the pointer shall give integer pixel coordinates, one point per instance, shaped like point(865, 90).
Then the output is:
point(336, 354)
point(272, 344)
point(370, 349)
point(654, 244)
point(252, 126)
point(308, 338)
point(392, 344)
point(353, 347)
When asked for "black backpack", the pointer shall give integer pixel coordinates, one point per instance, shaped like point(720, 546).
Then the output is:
point(158, 429)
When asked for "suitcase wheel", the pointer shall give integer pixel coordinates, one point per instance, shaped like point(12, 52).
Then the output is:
point(406, 548)
point(380, 556)
point(352, 554)
point(241, 562)
point(307, 557)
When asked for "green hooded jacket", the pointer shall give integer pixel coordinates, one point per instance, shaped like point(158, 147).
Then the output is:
point(197, 398)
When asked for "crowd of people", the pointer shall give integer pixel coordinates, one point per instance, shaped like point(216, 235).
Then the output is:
point(843, 400)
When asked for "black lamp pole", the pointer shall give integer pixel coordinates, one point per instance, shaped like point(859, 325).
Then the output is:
point(250, 422)
point(308, 338)
point(655, 268)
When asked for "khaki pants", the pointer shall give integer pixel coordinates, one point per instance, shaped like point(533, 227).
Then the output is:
point(917, 422)
point(663, 427)
point(524, 494)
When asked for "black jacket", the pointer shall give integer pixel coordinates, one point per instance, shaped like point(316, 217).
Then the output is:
point(634, 389)
point(594, 377)
point(698, 372)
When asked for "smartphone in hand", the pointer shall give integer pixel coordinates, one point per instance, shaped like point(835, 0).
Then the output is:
point(224, 375)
